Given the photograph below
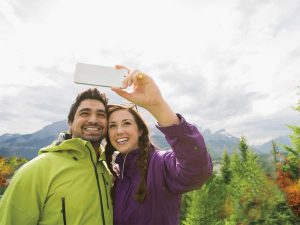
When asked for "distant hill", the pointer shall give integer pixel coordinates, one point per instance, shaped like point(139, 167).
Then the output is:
point(218, 141)
point(266, 147)
point(28, 145)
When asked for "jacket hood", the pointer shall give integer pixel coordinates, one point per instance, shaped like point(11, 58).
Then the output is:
point(75, 146)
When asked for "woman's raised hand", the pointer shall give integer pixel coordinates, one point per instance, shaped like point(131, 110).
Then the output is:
point(147, 95)
point(145, 92)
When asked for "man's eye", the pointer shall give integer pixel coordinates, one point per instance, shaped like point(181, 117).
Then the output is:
point(102, 115)
point(83, 113)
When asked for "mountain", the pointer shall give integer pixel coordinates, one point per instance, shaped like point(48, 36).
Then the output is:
point(216, 142)
point(266, 147)
point(28, 145)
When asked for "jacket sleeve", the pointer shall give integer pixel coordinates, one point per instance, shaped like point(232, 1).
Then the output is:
point(188, 165)
point(21, 202)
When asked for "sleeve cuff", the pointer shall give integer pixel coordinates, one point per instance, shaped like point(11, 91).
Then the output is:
point(176, 129)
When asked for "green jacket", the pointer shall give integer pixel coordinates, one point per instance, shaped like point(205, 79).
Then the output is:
point(65, 184)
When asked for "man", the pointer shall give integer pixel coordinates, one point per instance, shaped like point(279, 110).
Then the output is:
point(69, 182)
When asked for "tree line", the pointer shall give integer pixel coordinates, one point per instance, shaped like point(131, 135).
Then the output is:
point(242, 192)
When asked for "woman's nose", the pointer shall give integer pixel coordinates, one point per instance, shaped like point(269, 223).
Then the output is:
point(120, 129)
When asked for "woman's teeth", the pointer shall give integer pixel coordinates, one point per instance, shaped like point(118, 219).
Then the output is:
point(121, 140)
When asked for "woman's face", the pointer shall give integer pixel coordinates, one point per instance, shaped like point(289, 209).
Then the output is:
point(123, 131)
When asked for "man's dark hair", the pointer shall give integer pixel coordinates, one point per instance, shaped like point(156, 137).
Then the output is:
point(91, 93)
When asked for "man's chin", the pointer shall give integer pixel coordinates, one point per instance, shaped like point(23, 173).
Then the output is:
point(93, 139)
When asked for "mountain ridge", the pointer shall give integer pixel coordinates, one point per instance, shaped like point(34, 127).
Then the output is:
point(27, 145)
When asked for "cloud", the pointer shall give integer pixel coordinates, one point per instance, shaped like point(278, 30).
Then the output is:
point(259, 128)
point(266, 18)
point(26, 108)
point(210, 98)
point(220, 64)
point(2, 17)
point(289, 18)
point(294, 54)
point(35, 104)
point(30, 9)
point(250, 7)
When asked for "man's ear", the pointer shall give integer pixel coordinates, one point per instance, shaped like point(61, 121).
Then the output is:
point(70, 125)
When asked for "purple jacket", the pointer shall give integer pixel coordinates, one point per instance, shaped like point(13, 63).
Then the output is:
point(170, 173)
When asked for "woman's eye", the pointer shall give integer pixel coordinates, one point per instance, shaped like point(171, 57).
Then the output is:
point(126, 124)
point(112, 126)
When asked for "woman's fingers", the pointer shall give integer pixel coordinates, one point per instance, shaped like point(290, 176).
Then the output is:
point(128, 79)
point(122, 67)
point(133, 77)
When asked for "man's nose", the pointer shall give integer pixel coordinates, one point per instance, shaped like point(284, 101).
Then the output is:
point(93, 118)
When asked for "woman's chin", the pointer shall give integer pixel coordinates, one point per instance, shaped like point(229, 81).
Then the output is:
point(124, 150)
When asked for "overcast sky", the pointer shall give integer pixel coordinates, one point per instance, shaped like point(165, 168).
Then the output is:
point(222, 64)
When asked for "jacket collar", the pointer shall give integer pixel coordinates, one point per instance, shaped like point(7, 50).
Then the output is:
point(129, 156)
point(127, 163)
point(76, 147)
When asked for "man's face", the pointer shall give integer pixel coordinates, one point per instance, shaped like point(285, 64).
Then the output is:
point(90, 122)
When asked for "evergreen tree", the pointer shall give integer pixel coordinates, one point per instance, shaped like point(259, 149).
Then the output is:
point(225, 168)
point(252, 195)
point(186, 201)
point(288, 171)
point(292, 164)
point(243, 147)
point(274, 152)
point(207, 205)
point(241, 194)
point(235, 162)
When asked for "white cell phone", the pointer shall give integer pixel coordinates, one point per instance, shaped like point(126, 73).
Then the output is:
point(99, 75)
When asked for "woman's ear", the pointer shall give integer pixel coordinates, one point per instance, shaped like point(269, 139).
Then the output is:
point(140, 133)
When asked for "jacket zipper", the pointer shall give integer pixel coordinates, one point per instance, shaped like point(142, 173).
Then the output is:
point(122, 176)
point(63, 210)
point(98, 186)
point(105, 183)
point(123, 166)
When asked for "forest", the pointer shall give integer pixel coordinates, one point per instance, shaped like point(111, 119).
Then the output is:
point(244, 191)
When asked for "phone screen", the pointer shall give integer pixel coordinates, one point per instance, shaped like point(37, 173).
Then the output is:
point(99, 75)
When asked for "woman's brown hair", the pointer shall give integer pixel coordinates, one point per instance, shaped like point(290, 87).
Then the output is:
point(144, 146)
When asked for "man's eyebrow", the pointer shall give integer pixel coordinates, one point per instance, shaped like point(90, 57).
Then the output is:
point(88, 109)
point(85, 109)
point(101, 110)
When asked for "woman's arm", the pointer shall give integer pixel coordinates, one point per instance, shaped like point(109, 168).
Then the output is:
point(188, 165)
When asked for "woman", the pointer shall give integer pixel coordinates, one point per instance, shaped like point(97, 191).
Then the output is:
point(149, 183)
